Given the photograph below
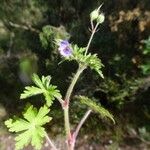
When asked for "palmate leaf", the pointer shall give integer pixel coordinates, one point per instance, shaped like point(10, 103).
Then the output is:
point(51, 93)
point(96, 107)
point(43, 87)
point(90, 60)
point(30, 128)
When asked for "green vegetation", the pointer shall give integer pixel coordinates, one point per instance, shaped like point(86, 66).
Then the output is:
point(146, 62)
point(30, 127)
point(28, 30)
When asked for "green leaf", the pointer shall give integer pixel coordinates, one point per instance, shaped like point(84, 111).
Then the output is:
point(50, 33)
point(146, 68)
point(94, 63)
point(30, 91)
point(38, 81)
point(96, 107)
point(90, 60)
point(43, 87)
point(146, 49)
point(46, 36)
point(30, 128)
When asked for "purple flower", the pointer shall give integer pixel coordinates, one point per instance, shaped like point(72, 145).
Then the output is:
point(64, 48)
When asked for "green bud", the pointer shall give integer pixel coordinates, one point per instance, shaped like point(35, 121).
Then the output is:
point(94, 14)
point(100, 18)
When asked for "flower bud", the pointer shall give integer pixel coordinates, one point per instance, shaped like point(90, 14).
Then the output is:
point(94, 14)
point(100, 18)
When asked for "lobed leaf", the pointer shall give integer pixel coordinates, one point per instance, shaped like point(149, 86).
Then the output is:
point(30, 91)
point(30, 128)
point(37, 81)
point(94, 63)
point(90, 60)
point(96, 107)
point(43, 87)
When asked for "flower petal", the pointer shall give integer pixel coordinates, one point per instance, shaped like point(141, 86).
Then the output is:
point(64, 48)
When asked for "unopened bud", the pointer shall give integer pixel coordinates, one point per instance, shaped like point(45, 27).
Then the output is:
point(100, 18)
point(94, 14)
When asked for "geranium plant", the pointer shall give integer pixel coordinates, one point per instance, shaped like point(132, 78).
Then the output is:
point(30, 129)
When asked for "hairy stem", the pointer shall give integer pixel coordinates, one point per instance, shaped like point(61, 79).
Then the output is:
point(66, 105)
point(82, 122)
point(90, 40)
point(67, 123)
point(60, 100)
point(73, 82)
point(69, 136)
point(75, 134)
point(50, 142)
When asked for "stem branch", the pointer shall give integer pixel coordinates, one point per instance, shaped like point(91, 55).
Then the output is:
point(60, 100)
point(90, 40)
point(50, 142)
point(81, 123)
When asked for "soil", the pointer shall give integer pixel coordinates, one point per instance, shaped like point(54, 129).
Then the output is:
point(7, 143)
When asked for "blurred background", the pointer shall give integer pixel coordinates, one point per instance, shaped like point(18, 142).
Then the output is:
point(27, 31)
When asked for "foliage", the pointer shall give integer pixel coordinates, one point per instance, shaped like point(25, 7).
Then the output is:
point(31, 125)
point(43, 87)
point(30, 128)
point(120, 91)
point(46, 35)
point(96, 107)
point(147, 46)
point(23, 24)
point(146, 52)
point(89, 59)
point(144, 134)
point(49, 33)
